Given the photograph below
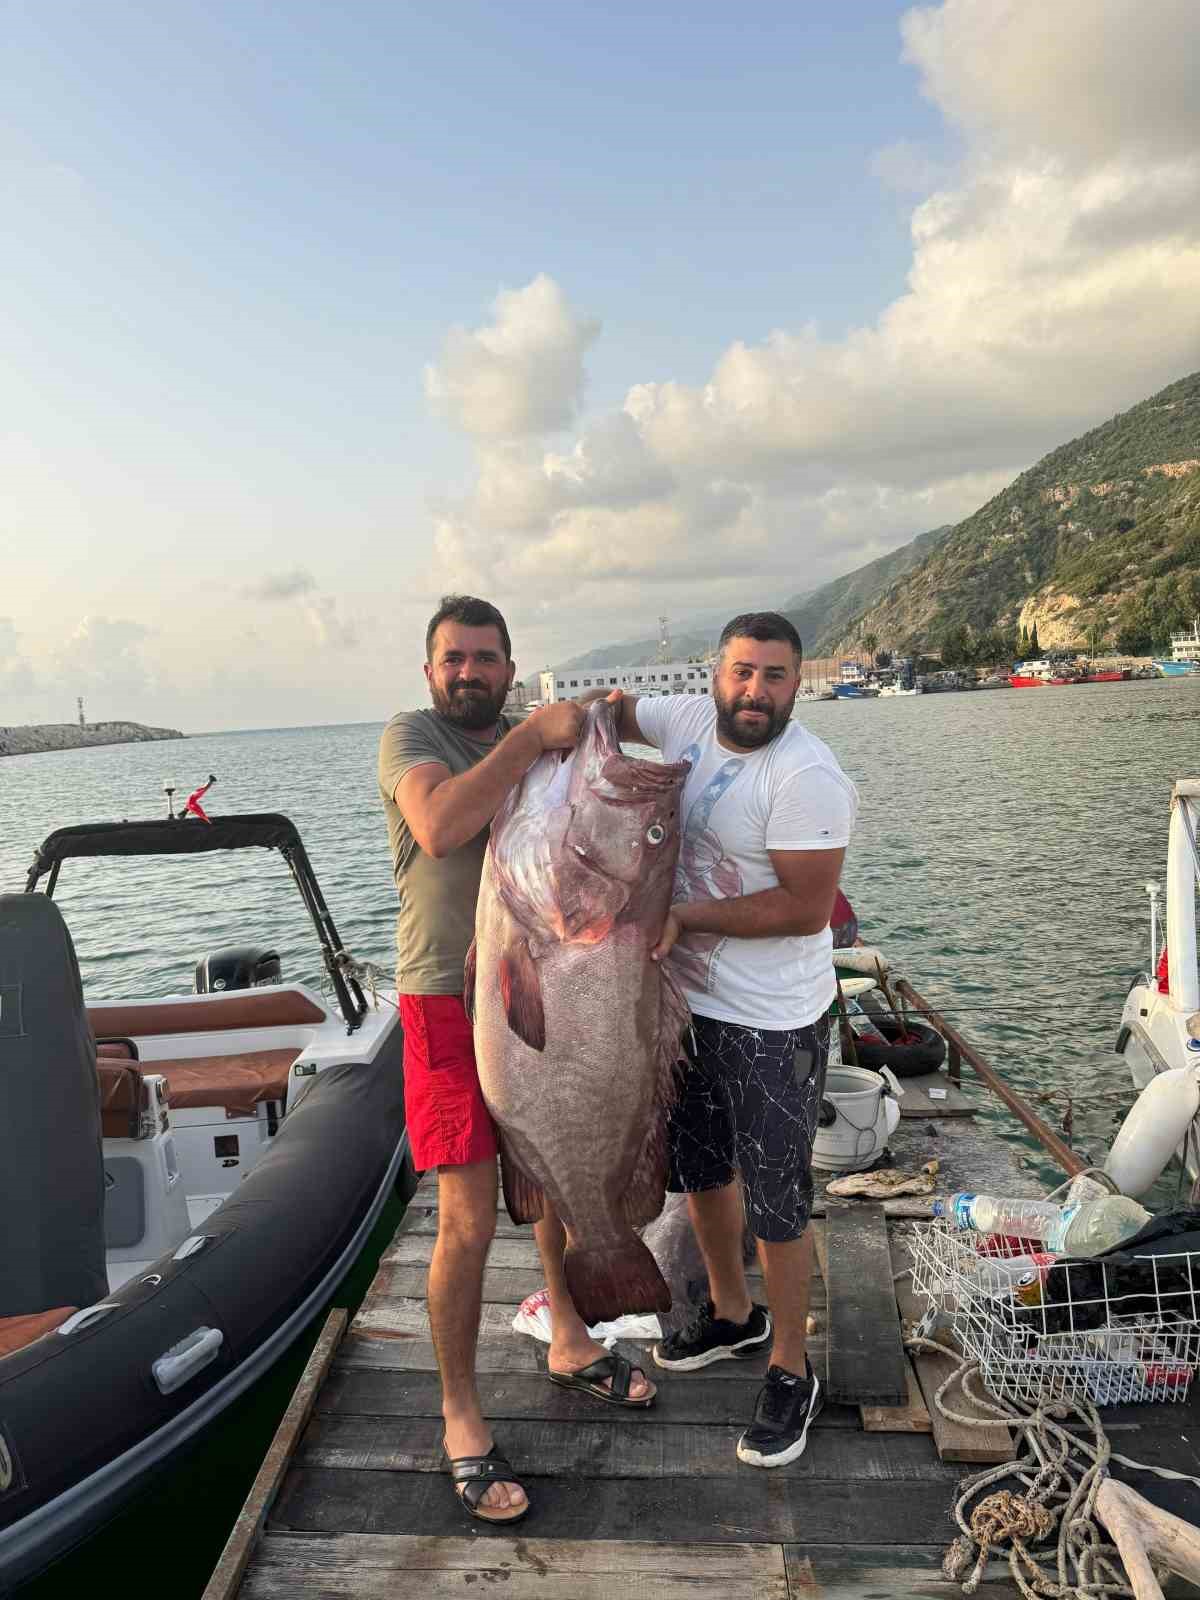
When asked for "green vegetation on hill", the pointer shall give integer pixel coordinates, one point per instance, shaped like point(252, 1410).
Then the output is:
point(1097, 544)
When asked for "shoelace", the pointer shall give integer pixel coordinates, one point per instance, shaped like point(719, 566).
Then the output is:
point(778, 1398)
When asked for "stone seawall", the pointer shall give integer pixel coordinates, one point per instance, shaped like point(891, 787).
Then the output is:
point(39, 737)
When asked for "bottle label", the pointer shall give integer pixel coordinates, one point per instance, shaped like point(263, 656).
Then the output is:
point(1056, 1239)
point(961, 1215)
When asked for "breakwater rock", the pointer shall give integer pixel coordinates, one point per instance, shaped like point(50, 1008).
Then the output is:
point(39, 737)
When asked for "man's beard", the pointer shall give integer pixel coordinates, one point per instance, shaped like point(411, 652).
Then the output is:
point(471, 706)
point(750, 736)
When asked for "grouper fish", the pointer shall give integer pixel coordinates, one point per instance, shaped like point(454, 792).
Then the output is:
point(577, 1031)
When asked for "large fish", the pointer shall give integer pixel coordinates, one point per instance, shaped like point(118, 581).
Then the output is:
point(577, 1031)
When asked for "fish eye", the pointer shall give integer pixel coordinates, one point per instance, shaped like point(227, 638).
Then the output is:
point(655, 833)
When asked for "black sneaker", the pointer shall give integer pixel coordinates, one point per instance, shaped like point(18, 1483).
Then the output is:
point(786, 1405)
point(712, 1338)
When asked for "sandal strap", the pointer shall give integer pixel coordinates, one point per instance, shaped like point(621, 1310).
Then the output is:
point(477, 1473)
point(614, 1366)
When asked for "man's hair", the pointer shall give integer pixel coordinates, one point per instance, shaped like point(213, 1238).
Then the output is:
point(471, 613)
point(761, 625)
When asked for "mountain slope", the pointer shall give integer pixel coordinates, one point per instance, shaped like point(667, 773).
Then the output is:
point(820, 615)
point(1099, 542)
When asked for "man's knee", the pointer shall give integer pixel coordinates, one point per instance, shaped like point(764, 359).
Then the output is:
point(466, 1209)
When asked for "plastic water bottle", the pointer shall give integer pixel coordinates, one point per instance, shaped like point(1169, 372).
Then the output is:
point(985, 1213)
point(1079, 1230)
point(1097, 1225)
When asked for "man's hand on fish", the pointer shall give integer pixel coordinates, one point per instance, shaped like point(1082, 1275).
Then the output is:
point(671, 930)
point(557, 726)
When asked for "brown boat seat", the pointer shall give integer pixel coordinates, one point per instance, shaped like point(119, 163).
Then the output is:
point(239, 1083)
point(123, 1098)
point(246, 1008)
point(17, 1332)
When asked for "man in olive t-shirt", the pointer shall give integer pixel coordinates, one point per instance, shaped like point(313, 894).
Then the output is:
point(444, 773)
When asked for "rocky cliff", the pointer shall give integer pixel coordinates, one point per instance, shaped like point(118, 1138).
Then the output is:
point(39, 737)
point(1099, 544)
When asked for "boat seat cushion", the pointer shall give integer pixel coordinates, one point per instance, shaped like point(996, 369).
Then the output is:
point(123, 1098)
point(272, 1007)
point(17, 1332)
point(239, 1083)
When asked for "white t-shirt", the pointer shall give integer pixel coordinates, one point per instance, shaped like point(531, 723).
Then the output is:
point(789, 795)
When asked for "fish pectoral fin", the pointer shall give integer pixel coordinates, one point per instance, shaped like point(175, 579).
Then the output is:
point(523, 1198)
point(469, 982)
point(521, 990)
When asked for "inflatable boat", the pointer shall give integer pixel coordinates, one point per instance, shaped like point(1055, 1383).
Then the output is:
point(184, 1183)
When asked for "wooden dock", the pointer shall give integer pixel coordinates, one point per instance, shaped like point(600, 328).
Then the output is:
point(647, 1505)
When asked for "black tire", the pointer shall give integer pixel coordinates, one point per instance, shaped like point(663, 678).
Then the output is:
point(905, 1060)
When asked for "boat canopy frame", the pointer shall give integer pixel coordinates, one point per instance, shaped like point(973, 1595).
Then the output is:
point(177, 836)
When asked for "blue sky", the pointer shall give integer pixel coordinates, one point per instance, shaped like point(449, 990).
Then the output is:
point(238, 234)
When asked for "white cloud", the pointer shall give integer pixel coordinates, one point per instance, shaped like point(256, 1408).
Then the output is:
point(1054, 281)
point(333, 630)
point(520, 375)
point(16, 672)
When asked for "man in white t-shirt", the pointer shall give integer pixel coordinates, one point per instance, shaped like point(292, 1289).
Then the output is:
point(767, 814)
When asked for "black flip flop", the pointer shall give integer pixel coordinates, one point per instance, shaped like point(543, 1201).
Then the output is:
point(478, 1473)
point(590, 1380)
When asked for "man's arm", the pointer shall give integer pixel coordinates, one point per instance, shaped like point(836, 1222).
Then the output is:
point(802, 903)
point(443, 812)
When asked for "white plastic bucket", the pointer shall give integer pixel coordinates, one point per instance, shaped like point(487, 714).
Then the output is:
point(867, 1114)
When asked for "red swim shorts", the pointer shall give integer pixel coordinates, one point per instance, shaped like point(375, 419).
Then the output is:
point(448, 1123)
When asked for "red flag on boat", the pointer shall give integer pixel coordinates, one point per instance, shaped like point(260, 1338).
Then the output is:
point(193, 807)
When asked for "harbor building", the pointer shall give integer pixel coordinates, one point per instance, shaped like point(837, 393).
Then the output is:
point(659, 677)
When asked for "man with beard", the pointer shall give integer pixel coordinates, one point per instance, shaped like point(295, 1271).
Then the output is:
point(767, 814)
point(443, 774)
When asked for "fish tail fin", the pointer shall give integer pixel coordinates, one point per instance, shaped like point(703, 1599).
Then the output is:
point(609, 1282)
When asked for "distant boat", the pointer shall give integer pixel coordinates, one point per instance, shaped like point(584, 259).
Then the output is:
point(1185, 653)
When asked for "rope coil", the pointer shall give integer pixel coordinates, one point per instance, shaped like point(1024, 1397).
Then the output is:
point(1061, 1472)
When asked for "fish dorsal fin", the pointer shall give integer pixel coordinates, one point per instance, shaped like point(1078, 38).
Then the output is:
point(523, 1198)
point(647, 1187)
point(521, 991)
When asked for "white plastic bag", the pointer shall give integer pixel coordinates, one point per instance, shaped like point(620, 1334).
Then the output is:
point(533, 1317)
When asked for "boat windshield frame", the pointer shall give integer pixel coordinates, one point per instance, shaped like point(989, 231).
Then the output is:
point(177, 836)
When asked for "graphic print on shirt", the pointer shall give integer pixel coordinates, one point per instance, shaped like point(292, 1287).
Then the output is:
point(704, 872)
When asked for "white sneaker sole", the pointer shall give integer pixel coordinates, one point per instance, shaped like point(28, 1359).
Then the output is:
point(755, 1458)
point(720, 1352)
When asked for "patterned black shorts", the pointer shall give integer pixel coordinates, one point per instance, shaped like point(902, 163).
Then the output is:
point(749, 1100)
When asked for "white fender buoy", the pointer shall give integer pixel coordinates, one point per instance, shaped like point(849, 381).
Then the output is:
point(861, 958)
point(1154, 1129)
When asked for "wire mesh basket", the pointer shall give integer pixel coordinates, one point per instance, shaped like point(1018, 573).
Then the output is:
point(1118, 1331)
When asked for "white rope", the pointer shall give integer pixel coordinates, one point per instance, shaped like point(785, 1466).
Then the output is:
point(1061, 1472)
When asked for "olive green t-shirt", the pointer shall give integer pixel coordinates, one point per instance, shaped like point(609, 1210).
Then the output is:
point(437, 898)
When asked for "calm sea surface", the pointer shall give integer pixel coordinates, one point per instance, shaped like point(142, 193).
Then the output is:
point(1003, 843)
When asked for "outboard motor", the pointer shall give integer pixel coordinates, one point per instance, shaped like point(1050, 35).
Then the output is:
point(242, 966)
point(51, 1149)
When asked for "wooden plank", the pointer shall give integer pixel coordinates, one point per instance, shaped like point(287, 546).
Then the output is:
point(520, 1353)
point(912, 1417)
point(864, 1353)
point(590, 1448)
point(246, 1531)
point(388, 1565)
point(950, 1101)
point(506, 1286)
point(907, 1572)
point(954, 1440)
point(416, 1250)
point(356, 1391)
point(759, 1507)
